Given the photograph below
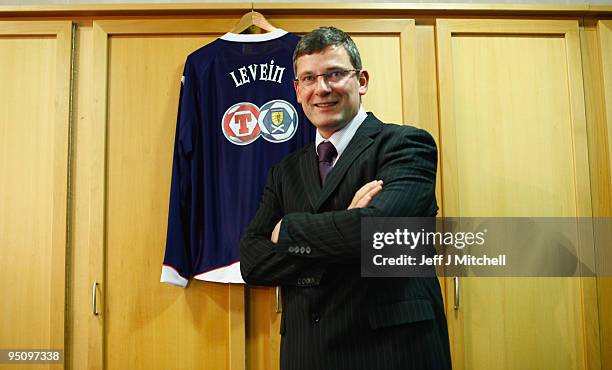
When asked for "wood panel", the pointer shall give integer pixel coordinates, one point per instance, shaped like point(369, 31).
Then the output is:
point(598, 42)
point(80, 308)
point(395, 10)
point(427, 95)
point(513, 136)
point(34, 122)
point(604, 29)
point(381, 56)
point(392, 96)
point(262, 330)
point(146, 324)
point(134, 134)
point(129, 38)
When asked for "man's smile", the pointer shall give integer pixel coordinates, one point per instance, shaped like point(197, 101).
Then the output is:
point(325, 104)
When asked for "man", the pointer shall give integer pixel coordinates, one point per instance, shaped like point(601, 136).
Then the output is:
point(305, 236)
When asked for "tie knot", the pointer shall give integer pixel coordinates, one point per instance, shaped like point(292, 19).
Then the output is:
point(326, 152)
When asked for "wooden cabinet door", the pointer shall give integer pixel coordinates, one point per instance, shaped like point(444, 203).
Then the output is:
point(513, 138)
point(136, 76)
point(603, 68)
point(604, 29)
point(34, 125)
point(145, 324)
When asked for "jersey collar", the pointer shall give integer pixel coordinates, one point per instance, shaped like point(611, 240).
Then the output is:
point(254, 37)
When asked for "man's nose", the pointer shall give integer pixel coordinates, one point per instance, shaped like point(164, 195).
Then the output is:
point(322, 86)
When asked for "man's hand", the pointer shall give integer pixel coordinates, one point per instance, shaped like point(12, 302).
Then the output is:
point(364, 196)
point(276, 231)
point(362, 199)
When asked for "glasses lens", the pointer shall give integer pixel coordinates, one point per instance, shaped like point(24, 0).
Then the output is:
point(330, 77)
point(307, 80)
point(336, 76)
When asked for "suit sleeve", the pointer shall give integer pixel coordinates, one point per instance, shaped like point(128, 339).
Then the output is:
point(177, 265)
point(263, 262)
point(407, 165)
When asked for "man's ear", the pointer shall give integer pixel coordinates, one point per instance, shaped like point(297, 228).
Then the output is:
point(297, 94)
point(364, 78)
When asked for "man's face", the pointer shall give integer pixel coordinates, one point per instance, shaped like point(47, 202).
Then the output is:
point(330, 106)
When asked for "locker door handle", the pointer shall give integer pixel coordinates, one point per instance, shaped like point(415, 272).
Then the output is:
point(277, 309)
point(456, 285)
point(94, 298)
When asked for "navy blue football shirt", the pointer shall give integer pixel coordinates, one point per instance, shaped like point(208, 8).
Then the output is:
point(237, 117)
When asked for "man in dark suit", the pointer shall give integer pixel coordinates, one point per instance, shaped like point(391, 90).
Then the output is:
point(305, 236)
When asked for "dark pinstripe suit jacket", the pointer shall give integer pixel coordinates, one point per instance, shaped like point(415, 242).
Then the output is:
point(333, 319)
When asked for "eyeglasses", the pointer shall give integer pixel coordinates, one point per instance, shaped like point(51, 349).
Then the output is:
point(332, 77)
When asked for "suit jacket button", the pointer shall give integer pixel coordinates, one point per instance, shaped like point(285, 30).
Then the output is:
point(302, 250)
point(307, 250)
point(290, 249)
point(316, 317)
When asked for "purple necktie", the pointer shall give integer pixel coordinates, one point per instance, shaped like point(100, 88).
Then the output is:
point(326, 152)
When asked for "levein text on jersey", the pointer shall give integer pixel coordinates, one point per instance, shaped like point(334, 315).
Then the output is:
point(261, 72)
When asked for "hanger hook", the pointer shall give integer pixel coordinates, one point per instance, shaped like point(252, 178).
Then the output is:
point(252, 11)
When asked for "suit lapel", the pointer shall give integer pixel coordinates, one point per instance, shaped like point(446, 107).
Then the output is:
point(362, 139)
point(310, 175)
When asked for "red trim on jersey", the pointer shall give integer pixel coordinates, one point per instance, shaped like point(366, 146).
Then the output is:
point(221, 267)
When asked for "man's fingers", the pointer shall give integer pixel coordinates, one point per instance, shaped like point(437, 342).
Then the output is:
point(375, 190)
point(366, 199)
point(366, 188)
point(276, 232)
point(363, 202)
point(365, 194)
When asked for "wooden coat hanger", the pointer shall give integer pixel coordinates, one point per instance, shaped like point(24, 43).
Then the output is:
point(250, 19)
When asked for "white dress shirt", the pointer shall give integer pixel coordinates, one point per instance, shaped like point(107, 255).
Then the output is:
point(341, 138)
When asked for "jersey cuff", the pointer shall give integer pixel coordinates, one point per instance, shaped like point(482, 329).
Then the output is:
point(225, 274)
point(171, 276)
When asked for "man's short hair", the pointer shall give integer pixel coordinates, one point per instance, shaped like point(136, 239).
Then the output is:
point(323, 37)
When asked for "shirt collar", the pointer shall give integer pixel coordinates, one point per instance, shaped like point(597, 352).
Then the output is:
point(341, 138)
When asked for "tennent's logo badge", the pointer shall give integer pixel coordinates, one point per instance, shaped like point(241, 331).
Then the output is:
point(240, 123)
point(276, 121)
